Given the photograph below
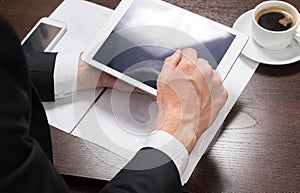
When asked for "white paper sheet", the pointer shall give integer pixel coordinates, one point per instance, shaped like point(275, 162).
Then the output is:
point(83, 19)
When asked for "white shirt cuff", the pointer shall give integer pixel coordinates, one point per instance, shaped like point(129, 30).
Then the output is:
point(65, 74)
point(171, 146)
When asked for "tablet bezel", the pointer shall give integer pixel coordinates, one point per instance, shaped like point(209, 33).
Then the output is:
point(223, 68)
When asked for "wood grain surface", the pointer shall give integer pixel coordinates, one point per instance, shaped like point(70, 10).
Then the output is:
point(262, 157)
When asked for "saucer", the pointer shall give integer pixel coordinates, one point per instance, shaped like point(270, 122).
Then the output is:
point(253, 51)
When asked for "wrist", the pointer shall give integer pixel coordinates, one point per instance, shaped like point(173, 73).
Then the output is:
point(174, 124)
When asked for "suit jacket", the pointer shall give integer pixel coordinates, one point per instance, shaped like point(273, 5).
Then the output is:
point(25, 145)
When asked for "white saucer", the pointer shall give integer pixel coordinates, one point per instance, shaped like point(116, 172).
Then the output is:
point(253, 51)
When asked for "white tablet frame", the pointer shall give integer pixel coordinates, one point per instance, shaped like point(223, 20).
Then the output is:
point(223, 68)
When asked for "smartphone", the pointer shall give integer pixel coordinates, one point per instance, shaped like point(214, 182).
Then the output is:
point(44, 35)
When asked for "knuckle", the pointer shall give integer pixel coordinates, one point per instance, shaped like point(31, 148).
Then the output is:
point(218, 81)
point(189, 64)
point(168, 60)
point(203, 63)
point(207, 71)
point(204, 66)
point(160, 85)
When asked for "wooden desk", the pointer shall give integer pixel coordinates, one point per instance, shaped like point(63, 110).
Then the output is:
point(261, 158)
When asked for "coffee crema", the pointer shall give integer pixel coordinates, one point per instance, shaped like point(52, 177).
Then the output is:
point(275, 19)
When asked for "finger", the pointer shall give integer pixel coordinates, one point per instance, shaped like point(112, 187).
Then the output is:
point(189, 58)
point(138, 90)
point(204, 66)
point(106, 80)
point(206, 71)
point(172, 61)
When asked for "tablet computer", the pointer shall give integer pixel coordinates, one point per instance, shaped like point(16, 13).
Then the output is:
point(134, 42)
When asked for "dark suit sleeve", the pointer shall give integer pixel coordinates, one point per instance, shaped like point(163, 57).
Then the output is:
point(150, 171)
point(41, 67)
point(23, 165)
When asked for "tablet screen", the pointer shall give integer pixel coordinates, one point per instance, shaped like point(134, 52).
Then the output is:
point(149, 32)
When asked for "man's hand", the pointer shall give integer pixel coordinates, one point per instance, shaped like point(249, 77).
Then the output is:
point(190, 96)
point(89, 77)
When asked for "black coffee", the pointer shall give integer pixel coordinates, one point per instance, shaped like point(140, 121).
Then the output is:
point(275, 19)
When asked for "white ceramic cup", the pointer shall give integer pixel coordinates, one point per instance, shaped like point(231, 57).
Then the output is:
point(275, 40)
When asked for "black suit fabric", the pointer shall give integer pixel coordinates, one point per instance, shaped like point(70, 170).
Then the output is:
point(149, 171)
point(41, 69)
point(24, 165)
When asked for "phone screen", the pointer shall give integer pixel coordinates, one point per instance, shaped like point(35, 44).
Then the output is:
point(41, 37)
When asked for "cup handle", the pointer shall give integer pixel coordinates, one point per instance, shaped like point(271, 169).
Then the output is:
point(297, 33)
point(297, 37)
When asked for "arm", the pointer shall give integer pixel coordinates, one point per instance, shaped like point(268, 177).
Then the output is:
point(190, 96)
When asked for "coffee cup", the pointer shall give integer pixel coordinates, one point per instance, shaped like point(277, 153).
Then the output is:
point(274, 24)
